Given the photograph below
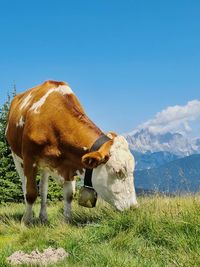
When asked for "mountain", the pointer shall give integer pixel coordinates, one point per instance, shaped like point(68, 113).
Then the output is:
point(179, 176)
point(150, 160)
point(143, 140)
point(198, 142)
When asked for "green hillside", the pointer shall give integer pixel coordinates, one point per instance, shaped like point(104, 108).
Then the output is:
point(162, 232)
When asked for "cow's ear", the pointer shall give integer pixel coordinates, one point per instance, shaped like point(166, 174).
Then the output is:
point(92, 159)
point(105, 150)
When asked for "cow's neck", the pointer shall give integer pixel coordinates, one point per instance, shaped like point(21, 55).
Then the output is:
point(81, 141)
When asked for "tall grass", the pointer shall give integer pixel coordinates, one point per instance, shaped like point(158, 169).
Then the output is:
point(162, 232)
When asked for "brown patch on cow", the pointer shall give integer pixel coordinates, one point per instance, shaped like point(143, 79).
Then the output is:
point(30, 172)
point(52, 151)
point(55, 83)
point(111, 135)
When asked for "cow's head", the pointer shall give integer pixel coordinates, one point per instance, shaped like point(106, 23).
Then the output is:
point(112, 176)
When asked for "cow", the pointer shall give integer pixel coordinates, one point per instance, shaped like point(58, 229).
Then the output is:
point(49, 132)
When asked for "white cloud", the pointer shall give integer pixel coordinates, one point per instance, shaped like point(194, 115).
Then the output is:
point(175, 118)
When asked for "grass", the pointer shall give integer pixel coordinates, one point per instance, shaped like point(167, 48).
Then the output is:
point(164, 231)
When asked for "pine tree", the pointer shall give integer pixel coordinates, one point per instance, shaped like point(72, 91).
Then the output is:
point(10, 185)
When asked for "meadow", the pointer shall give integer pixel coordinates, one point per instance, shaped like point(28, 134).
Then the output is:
point(164, 231)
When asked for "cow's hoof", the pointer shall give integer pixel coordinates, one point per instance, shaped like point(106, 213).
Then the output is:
point(27, 220)
point(43, 219)
point(68, 219)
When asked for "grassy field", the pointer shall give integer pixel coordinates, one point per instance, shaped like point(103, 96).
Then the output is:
point(162, 232)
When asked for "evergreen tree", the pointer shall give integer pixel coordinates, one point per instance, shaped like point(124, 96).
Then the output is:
point(10, 185)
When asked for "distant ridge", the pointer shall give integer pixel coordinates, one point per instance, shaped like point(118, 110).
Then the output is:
point(179, 176)
point(150, 160)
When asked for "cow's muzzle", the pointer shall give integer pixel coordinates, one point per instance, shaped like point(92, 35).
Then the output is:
point(87, 197)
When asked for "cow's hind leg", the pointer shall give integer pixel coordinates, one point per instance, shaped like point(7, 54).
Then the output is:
point(43, 195)
point(31, 193)
point(69, 191)
point(20, 170)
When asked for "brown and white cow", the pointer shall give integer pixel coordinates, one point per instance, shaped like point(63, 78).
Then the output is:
point(48, 131)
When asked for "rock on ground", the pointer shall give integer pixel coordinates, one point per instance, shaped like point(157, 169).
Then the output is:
point(48, 256)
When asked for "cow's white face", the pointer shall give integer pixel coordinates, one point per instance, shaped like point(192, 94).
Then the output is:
point(113, 181)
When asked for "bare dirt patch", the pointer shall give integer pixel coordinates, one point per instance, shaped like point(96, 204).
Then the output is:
point(48, 256)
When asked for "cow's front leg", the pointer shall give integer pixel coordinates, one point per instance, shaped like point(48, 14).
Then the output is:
point(69, 191)
point(30, 190)
point(43, 195)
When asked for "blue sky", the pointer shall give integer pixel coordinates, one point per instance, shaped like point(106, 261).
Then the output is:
point(125, 60)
